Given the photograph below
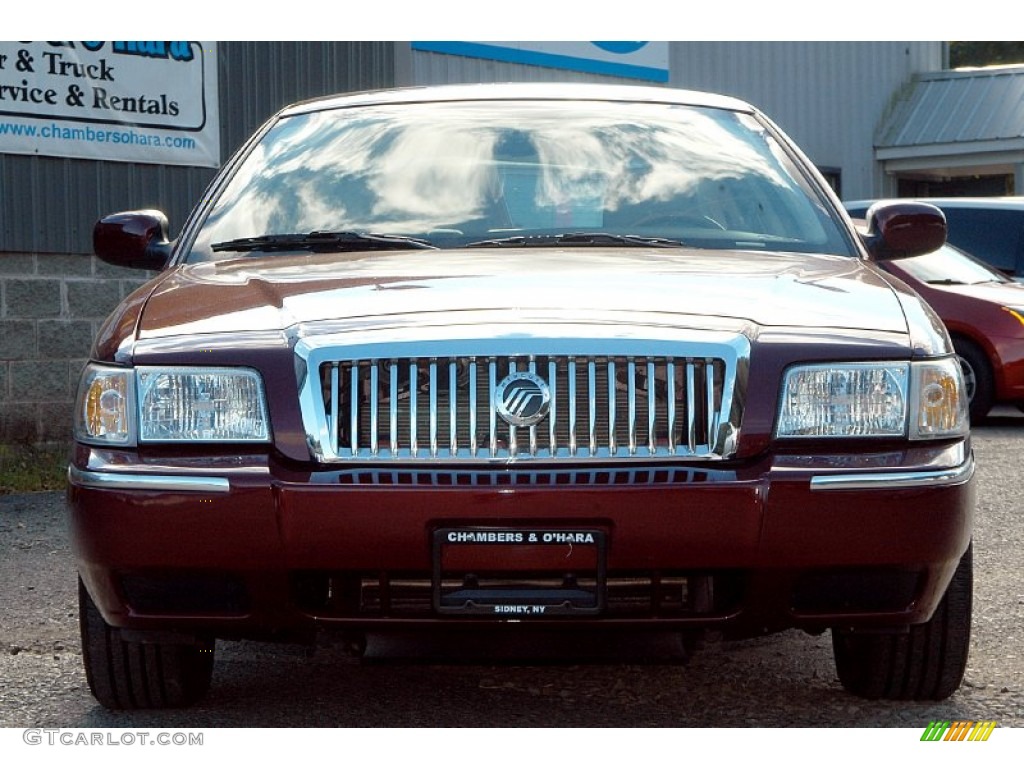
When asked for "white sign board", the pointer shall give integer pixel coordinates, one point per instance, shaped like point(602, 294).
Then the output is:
point(135, 101)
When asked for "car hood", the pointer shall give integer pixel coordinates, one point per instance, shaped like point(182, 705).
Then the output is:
point(1008, 294)
point(444, 287)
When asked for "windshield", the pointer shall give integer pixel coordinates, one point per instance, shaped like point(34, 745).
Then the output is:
point(455, 175)
point(948, 266)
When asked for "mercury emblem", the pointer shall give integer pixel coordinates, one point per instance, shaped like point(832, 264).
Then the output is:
point(522, 399)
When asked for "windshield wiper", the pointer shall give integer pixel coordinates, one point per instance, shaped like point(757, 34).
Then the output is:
point(575, 238)
point(324, 241)
point(946, 281)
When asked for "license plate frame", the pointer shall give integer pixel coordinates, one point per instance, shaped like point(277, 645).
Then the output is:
point(513, 573)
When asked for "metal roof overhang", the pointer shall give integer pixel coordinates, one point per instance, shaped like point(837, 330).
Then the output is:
point(956, 122)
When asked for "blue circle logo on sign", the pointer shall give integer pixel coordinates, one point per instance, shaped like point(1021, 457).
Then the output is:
point(620, 47)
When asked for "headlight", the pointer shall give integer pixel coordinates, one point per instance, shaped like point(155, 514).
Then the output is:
point(920, 400)
point(164, 405)
point(104, 412)
point(938, 405)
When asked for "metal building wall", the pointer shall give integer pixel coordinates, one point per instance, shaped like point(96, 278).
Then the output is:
point(49, 204)
point(438, 68)
point(829, 96)
point(53, 299)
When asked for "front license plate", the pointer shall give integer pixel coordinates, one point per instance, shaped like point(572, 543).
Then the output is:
point(512, 573)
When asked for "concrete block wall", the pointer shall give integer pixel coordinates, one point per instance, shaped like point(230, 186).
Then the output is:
point(51, 307)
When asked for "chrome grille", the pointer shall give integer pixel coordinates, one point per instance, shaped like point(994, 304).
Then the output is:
point(442, 407)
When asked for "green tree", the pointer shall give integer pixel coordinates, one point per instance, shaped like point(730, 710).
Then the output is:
point(983, 53)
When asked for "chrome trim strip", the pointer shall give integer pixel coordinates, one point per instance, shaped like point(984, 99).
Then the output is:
point(893, 480)
point(131, 482)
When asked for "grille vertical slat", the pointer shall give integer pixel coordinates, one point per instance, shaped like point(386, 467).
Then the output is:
point(492, 382)
point(453, 420)
point(592, 401)
point(631, 399)
point(433, 408)
point(355, 395)
point(613, 447)
point(691, 408)
point(670, 383)
point(472, 407)
point(572, 406)
point(513, 437)
point(652, 409)
point(710, 410)
point(599, 407)
point(393, 408)
point(374, 407)
point(334, 427)
point(414, 446)
point(533, 428)
point(553, 422)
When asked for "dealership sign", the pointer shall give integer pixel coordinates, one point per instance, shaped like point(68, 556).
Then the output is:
point(635, 60)
point(136, 101)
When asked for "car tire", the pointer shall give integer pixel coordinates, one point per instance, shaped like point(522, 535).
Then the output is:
point(140, 675)
point(977, 376)
point(925, 663)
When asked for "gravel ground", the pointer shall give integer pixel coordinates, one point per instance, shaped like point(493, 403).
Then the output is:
point(528, 680)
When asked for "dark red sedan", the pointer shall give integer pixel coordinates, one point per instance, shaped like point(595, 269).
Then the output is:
point(469, 357)
point(984, 312)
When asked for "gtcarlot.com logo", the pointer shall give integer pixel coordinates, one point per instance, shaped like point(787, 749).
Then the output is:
point(74, 737)
point(966, 730)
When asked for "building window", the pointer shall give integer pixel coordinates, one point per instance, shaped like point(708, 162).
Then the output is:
point(834, 177)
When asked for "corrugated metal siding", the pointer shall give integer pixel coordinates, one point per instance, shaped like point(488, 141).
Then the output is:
point(948, 107)
point(828, 96)
point(49, 204)
point(274, 74)
point(438, 68)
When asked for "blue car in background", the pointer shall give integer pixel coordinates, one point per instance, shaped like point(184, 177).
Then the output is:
point(989, 228)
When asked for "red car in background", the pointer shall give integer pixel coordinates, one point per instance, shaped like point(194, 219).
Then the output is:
point(984, 312)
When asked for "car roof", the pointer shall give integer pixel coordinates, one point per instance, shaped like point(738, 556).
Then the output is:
point(522, 91)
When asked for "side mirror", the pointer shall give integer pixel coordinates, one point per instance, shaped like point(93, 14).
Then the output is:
point(135, 239)
point(900, 230)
